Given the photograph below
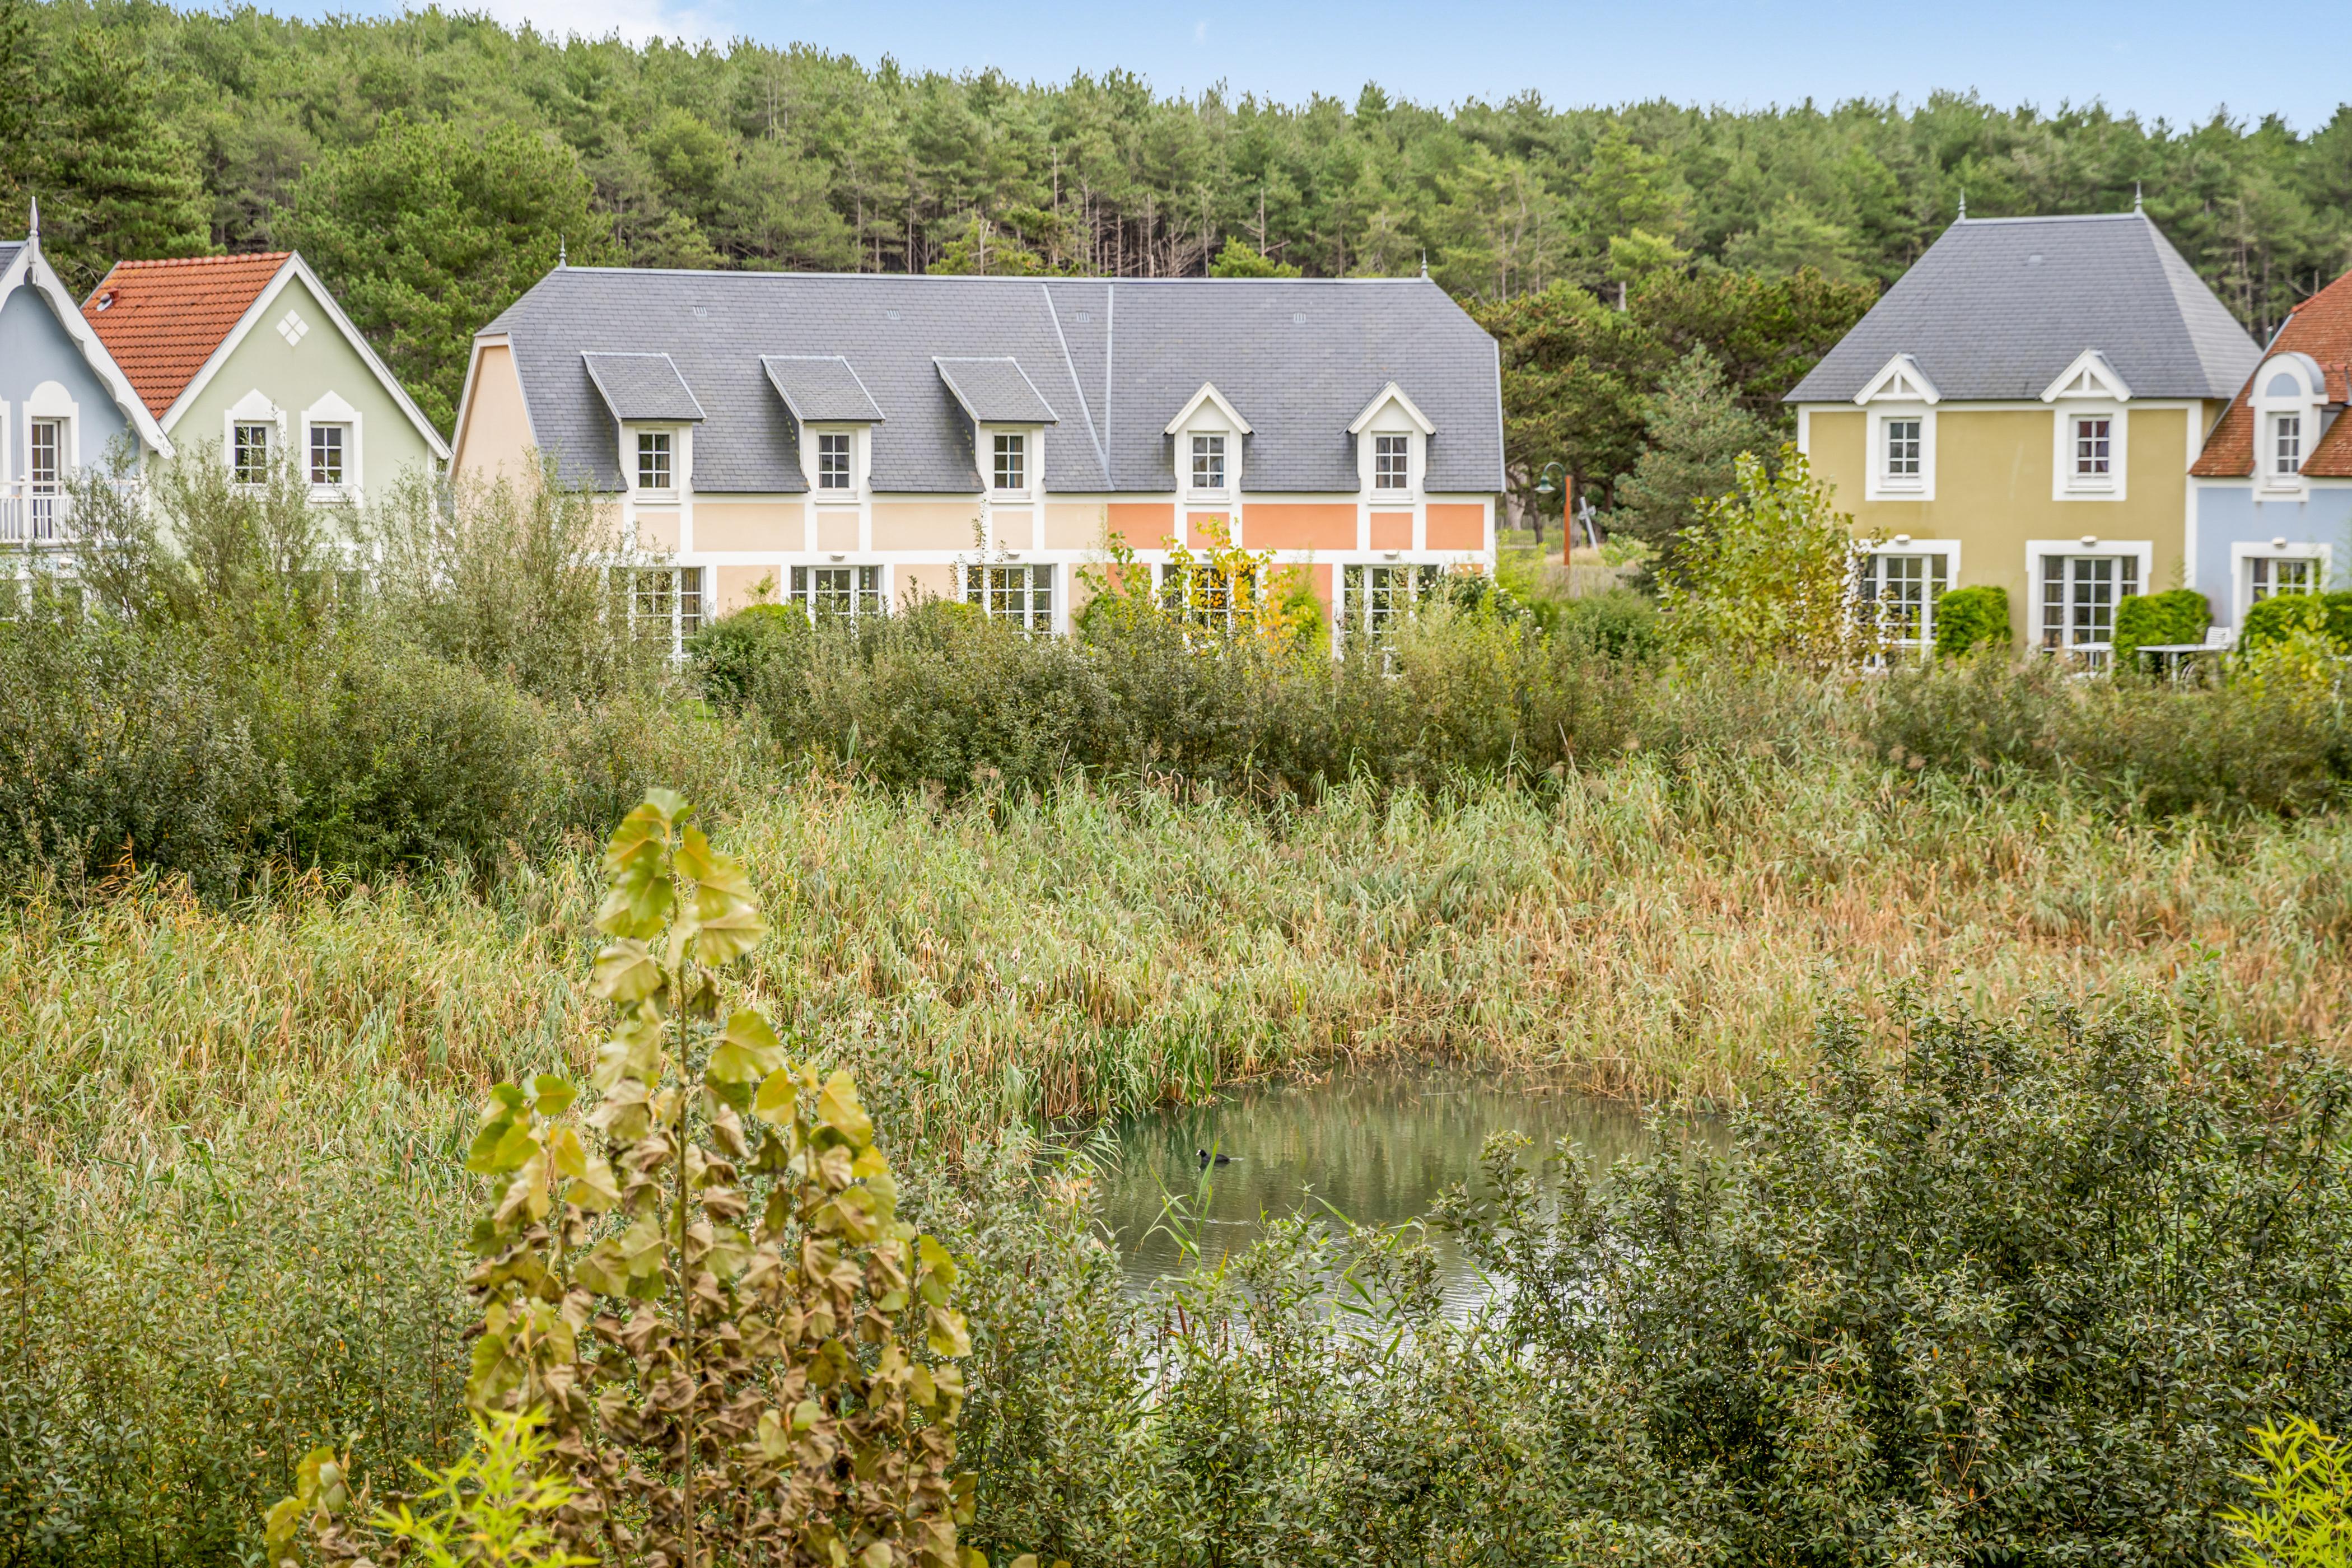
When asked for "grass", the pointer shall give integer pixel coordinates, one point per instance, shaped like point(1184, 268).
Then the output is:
point(1632, 931)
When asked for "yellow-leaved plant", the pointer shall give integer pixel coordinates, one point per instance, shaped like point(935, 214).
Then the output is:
point(701, 1287)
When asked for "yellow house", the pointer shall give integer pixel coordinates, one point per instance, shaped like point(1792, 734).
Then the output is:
point(2021, 409)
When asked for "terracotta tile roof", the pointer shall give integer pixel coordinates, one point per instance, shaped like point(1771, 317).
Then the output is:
point(162, 320)
point(2321, 327)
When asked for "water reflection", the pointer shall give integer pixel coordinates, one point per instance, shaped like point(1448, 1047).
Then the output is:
point(1376, 1146)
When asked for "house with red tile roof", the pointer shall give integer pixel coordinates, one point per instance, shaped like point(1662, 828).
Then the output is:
point(2272, 486)
point(249, 357)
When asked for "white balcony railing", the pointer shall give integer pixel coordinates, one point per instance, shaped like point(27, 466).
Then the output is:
point(34, 514)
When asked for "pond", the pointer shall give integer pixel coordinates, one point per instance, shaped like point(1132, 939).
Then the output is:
point(1376, 1146)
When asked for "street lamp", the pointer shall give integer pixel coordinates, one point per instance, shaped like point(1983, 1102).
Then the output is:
point(1566, 491)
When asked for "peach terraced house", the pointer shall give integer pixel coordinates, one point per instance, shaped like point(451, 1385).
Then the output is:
point(851, 440)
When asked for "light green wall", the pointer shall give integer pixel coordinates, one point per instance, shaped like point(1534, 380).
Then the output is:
point(296, 376)
point(1993, 490)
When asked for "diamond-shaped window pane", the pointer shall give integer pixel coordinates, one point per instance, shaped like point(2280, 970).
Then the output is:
point(291, 327)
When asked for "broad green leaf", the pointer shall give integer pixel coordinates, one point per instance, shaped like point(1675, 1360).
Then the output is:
point(627, 972)
point(747, 1050)
point(937, 1261)
point(552, 1094)
point(838, 1108)
point(595, 1191)
point(877, 1555)
point(779, 1094)
point(565, 1153)
point(948, 1336)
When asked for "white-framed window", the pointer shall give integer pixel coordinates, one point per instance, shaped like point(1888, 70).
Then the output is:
point(1900, 445)
point(1209, 463)
point(1391, 462)
point(328, 445)
point(45, 471)
point(1374, 599)
point(1903, 585)
point(1022, 594)
point(838, 593)
point(655, 468)
point(1205, 594)
point(834, 455)
point(2287, 446)
point(2078, 599)
point(2268, 577)
point(665, 605)
point(249, 451)
point(2093, 447)
point(1008, 470)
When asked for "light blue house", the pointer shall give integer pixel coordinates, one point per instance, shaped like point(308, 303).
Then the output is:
point(2272, 491)
point(63, 402)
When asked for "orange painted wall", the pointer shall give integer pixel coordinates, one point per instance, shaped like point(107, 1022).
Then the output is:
point(1300, 527)
point(1393, 531)
point(1145, 525)
point(1207, 530)
point(1458, 526)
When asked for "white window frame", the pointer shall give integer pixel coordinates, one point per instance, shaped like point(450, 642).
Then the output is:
point(987, 586)
point(1217, 446)
point(2139, 551)
point(2068, 485)
point(673, 450)
point(1882, 485)
point(868, 587)
point(1948, 550)
point(239, 469)
point(2245, 552)
point(332, 410)
point(680, 584)
point(1392, 455)
point(847, 443)
point(1025, 450)
point(2305, 401)
point(2281, 427)
point(1357, 597)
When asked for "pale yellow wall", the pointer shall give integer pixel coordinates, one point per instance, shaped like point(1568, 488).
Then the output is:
point(1993, 483)
point(738, 586)
point(657, 529)
point(1069, 527)
point(928, 582)
point(838, 531)
point(925, 525)
point(495, 439)
point(767, 525)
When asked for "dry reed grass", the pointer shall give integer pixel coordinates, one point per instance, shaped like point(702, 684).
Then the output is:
point(1637, 932)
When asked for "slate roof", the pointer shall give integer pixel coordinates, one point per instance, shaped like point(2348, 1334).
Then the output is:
point(8, 249)
point(1111, 361)
point(642, 387)
point(820, 387)
point(996, 392)
point(1999, 307)
point(2320, 327)
point(162, 319)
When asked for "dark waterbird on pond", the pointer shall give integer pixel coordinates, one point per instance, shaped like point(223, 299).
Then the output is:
point(1208, 1159)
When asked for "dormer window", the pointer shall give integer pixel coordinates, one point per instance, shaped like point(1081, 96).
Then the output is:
point(2286, 444)
point(2092, 447)
point(1208, 462)
point(1903, 443)
point(653, 469)
point(1008, 470)
point(832, 459)
point(1391, 462)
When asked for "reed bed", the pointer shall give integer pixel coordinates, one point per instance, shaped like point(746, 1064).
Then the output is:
point(1638, 931)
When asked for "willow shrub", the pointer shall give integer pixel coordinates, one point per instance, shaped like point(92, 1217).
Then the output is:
point(1973, 1292)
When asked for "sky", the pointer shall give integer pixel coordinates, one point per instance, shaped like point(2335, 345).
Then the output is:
point(2168, 58)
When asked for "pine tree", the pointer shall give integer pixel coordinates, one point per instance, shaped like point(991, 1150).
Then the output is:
point(115, 181)
point(1696, 433)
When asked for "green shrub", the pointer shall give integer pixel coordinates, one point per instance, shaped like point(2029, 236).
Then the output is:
point(729, 652)
point(2179, 615)
point(1617, 624)
point(2304, 1490)
point(2280, 617)
point(1969, 618)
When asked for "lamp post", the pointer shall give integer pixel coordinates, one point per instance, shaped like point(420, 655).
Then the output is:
point(1566, 491)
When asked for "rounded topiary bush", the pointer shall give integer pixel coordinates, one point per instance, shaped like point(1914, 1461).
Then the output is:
point(2181, 615)
point(1969, 618)
point(2278, 618)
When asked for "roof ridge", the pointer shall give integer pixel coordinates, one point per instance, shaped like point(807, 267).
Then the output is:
point(2053, 218)
point(952, 278)
point(203, 260)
